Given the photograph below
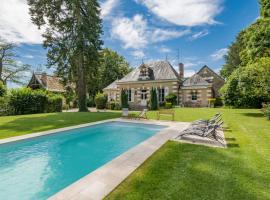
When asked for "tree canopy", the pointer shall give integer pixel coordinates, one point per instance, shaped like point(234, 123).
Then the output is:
point(247, 64)
point(10, 69)
point(72, 37)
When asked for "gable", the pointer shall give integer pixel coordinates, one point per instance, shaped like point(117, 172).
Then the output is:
point(208, 73)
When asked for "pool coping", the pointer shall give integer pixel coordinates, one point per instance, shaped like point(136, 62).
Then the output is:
point(100, 182)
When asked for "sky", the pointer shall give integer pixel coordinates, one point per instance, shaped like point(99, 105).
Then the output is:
point(194, 32)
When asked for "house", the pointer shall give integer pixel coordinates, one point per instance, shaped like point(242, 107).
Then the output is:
point(192, 91)
point(47, 82)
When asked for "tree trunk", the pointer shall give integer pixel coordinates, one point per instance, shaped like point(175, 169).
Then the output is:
point(81, 85)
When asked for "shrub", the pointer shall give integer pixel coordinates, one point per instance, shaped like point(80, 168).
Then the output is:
point(54, 103)
point(153, 100)
point(3, 89)
point(168, 105)
point(27, 101)
point(101, 100)
point(171, 98)
point(4, 106)
point(218, 102)
point(266, 110)
point(90, 102)
point(117, 106)
point(124, 99)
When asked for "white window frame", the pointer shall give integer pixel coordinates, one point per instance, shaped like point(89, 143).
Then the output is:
point(161, 94)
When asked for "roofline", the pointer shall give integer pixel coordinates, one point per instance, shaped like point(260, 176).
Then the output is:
point(211, 71)
point(149, 81)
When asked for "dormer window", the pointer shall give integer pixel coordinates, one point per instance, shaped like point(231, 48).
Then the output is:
point(145, 72)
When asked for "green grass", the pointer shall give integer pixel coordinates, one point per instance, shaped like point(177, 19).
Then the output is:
point(24, 124)
point(186, 171)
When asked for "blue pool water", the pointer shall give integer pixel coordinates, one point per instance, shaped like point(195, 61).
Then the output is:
point(38, 168)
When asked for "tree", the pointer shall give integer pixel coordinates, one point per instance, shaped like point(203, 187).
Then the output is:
point(10, 69)
point(153, 99)
point(72, 37)
point(112, 67)
point(124, 99)
point(249, 86)
point(232, 59)
point(265, 8)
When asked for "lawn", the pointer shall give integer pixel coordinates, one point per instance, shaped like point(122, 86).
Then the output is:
point(25, 124)
point(186, 171)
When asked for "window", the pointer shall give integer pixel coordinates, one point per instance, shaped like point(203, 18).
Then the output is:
point(194, 96)
point(129, 94)
point(143, 95)
point(161, 95)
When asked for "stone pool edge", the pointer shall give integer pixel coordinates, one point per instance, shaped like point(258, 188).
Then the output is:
point(99, 183)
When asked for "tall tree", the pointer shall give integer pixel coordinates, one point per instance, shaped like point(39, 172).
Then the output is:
point(10, 69)
point(72, 36)
point(112, 66)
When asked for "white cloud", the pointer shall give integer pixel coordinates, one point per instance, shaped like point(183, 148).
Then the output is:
point(130, 31)
point(160, 35)
point(28, 56)
point(138, 54)
point(199, 35)
point(189, 73)
point(185, 12)
point(219, 54)
point(164, 50)
point(135, 33)
point(107, 7)
point(15, 23)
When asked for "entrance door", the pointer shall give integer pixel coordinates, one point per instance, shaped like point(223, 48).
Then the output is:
point(143, 98)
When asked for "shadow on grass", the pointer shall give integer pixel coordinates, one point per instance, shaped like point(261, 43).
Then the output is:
point(259, 115)
point(25, 124)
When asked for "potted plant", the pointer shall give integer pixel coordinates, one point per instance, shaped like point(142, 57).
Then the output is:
point(124, 103)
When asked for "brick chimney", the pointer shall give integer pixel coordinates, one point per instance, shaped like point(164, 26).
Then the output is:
point(181, 70)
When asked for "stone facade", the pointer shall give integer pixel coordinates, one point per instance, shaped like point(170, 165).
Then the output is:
point(191, 92)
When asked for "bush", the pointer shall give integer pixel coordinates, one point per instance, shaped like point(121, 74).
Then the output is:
point(54, 103)
point(218, 102)
point(101, 100)
point(3, 89)
point(171, 98)
point(168, 105)
point(90, 102)
point(266, 110)
point(27, 101)
point(4, 106)
point(153, 100)
point(124, 99)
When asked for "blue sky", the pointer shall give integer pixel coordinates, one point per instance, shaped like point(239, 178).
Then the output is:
point(146, 30)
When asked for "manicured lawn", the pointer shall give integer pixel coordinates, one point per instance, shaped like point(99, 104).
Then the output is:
point(25, 124)
point(185, 171)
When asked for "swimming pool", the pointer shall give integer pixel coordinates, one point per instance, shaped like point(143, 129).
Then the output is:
point(39, 167)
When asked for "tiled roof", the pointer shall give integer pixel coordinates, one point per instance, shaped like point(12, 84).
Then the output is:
point(112, 86)
point(195, 80)
point(162, 70)
point(51, 83)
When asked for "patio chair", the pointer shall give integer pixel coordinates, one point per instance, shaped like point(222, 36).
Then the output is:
point(207, 131)
point(213, 119)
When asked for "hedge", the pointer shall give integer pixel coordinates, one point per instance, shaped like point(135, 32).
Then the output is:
point(27, 101)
